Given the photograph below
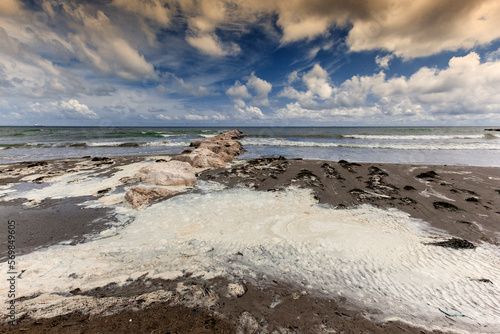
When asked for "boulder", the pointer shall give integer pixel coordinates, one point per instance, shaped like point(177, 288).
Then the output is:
point(227, 149)
point(140, 196)
point(171, 173)
point(200, 158)
point(225, 135)
point(225, 144)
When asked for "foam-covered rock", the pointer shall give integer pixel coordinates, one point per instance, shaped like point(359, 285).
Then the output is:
point(171, 173)
point(140, 196)
point(236, 290)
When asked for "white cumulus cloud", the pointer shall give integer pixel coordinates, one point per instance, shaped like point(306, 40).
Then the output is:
point(383, 61)
point(466, 89)
point(261, 89)
point(73, 108)
point(316, 81)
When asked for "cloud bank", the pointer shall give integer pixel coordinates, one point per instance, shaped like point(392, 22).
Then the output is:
point(197, 60)
point(465, 89)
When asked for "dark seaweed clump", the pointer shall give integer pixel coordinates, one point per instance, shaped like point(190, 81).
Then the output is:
point(428, 175)
point(100, 159)
point(454, 243)
point(37, 164)
point(445, 206)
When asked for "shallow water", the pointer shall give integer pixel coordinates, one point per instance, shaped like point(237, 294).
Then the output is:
point(424, 145)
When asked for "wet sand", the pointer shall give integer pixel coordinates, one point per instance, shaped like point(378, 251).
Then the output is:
point(460, 200)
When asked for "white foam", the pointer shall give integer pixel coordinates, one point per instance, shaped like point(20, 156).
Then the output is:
point(104, 143)
point(120, 143)
point(374, 145)
point(373, 257)
point(416, 137)
point(165, 143)
point(173, 135)
point(4, 189)
point(80, 183)
point(429, 191)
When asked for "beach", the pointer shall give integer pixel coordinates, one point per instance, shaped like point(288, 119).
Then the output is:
point(270, 244)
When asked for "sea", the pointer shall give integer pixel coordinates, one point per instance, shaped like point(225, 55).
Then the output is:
point(472, 146)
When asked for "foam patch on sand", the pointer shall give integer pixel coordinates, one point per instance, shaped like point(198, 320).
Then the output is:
point(82, 183)
point(76, 184)
point(373, 257)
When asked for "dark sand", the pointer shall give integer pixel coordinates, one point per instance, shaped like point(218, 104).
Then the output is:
point(469, 211)
point(296, 313)
point(53, 220)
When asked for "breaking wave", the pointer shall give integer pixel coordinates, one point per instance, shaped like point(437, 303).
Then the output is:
point(375, 145)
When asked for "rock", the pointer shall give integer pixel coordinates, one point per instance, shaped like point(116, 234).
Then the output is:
point(236, 290)
point(130, 179)
point(228, 149)
point(214, 151)
point(171, 173)
point(225, 144)
point(200, 158)
point(141, 196)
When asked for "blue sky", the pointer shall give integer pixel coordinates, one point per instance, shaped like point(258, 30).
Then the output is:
point(246, 63)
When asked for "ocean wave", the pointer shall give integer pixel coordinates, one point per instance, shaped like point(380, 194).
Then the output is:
point(136, 144)
point(101, 144)
point(166, 135)
point(179, 144)
point(298, 135)
point(138, 134)
point(394, 146)
point(94, 144)
point(419, 137)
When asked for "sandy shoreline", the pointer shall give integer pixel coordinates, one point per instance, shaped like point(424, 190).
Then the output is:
point(456, 201)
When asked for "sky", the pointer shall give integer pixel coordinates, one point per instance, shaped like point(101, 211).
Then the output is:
point(250, 62)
